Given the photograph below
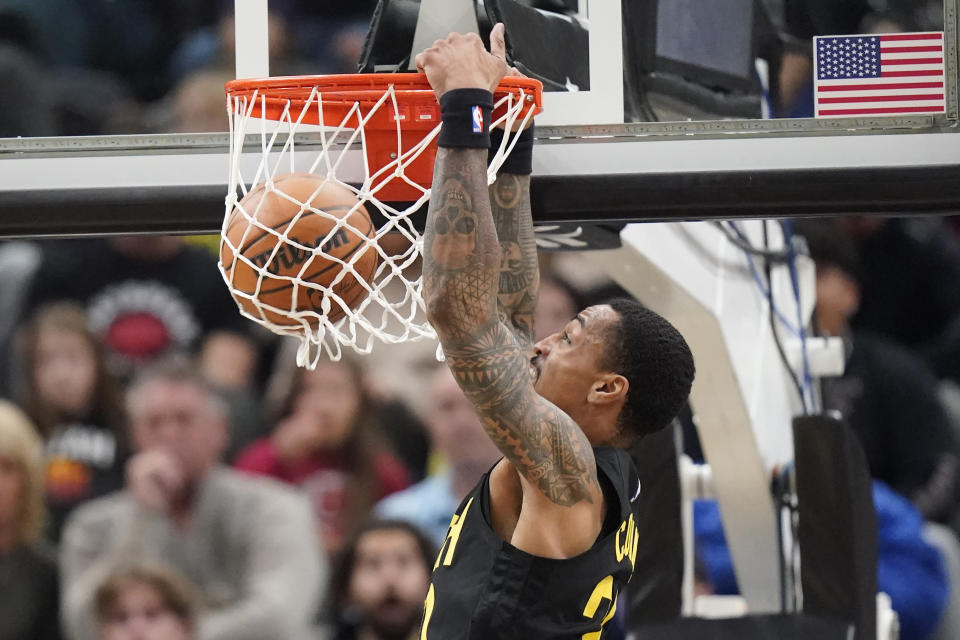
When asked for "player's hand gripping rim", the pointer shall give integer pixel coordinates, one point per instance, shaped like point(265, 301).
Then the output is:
point(460, 61)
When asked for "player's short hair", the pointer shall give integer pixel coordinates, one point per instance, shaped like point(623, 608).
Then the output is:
point(655, 359)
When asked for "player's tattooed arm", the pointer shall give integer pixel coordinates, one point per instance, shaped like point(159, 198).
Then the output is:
point(544, 444)
point(462, 277)
point(461, 257)
point(519, 269)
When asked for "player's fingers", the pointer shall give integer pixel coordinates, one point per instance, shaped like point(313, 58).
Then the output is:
point(498, 44)
point(423, 58)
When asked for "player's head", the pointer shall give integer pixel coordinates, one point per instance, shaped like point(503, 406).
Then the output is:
point(618, 369)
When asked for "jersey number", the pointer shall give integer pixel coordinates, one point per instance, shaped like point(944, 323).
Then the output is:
point(603, 591)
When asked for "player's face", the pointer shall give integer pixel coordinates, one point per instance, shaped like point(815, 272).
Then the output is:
point(566, 364)
point(139, 614)
point(389, 582)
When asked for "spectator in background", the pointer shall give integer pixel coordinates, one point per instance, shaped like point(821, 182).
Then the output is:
point(458, 436)
point(194, 105)
point(909, 569)
point(76, 406)
point(228, 361)
point(198, 103)
point(29, 597)
point(557, 303)
point(329, 444)
point(145, 603)
point(247, 545)
point(144, 295)
point(380, 581)
point(131, 40)
point(909, 267)
point(887, 395)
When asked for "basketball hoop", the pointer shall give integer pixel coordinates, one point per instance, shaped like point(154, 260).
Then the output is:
point(394, 121)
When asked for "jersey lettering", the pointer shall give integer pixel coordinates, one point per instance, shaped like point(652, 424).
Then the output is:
point(427, 612)
point(626, 541)
point(453, 535)
point(603, 591)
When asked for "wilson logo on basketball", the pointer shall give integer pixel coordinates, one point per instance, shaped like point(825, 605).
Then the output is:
point(290, 256)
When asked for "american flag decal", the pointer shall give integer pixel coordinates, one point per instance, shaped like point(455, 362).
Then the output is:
point(880, 75)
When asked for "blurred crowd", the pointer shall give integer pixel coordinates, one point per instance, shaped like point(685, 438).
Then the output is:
point(104, 67)
point(164, 464)
point(167, 472)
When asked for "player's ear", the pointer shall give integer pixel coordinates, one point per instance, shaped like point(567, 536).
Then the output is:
point(609, 387)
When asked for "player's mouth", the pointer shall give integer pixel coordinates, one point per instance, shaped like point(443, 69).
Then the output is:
point(536, 364)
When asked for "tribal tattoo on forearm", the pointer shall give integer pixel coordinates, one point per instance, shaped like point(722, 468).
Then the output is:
point(519, 269)
point(463, 260)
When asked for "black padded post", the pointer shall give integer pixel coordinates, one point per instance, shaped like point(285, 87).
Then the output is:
point(838, 524)
point(655, 590)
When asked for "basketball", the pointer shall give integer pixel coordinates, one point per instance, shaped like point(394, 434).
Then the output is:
point(310, 229)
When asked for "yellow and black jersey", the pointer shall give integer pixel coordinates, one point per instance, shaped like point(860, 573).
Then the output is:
point(484, 588)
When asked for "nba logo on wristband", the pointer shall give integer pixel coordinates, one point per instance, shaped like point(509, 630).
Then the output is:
point(477, 119)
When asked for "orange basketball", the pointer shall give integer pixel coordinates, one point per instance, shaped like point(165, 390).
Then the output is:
point(311, 229)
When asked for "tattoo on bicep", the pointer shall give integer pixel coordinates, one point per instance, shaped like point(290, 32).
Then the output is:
point(543, 442)
point(454, 227)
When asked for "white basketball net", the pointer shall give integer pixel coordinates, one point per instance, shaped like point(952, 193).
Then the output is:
point(393, 308)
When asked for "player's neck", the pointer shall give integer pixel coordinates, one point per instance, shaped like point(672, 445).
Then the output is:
point(599, 427)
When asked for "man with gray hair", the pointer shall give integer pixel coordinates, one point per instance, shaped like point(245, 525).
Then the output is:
point(247, 544)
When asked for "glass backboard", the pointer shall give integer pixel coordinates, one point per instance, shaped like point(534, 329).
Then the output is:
point(671, 113)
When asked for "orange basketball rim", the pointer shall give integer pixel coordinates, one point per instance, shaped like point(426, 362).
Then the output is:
point(396, 112)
